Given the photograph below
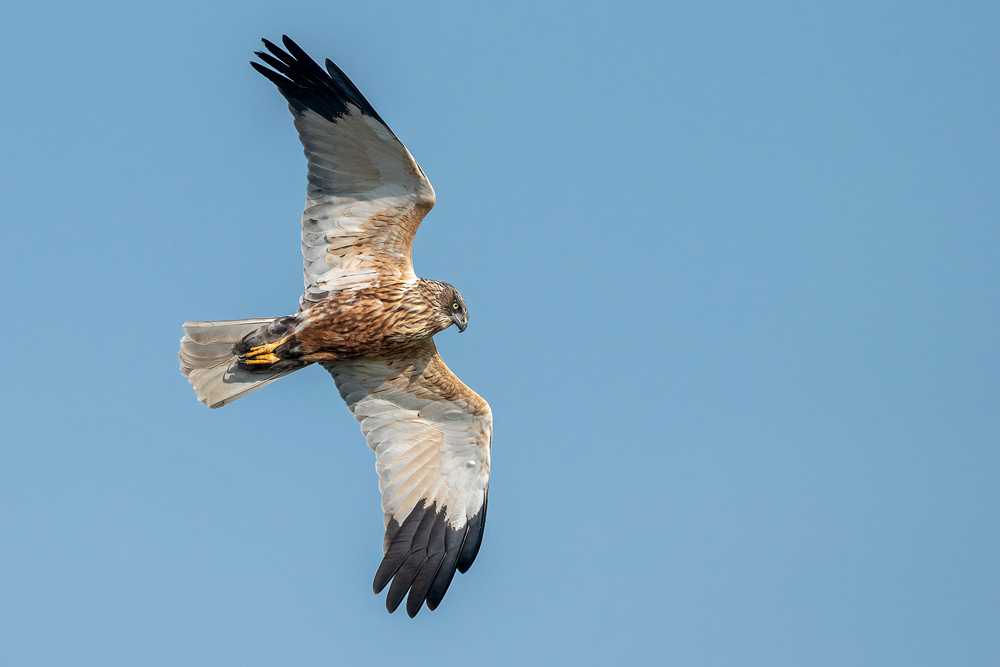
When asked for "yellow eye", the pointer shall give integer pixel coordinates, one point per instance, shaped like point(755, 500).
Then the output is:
point(454, 306)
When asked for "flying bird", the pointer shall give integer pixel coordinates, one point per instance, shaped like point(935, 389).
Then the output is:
point(369, 321)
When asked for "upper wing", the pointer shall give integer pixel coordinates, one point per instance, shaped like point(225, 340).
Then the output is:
point(431, 435)
point(366, 194)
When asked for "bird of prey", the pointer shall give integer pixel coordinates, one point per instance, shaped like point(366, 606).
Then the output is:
point(370, 321)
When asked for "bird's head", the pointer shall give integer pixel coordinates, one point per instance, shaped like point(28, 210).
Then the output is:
point(454, 308)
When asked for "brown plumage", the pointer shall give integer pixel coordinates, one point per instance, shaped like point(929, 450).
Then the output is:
point(369, 321)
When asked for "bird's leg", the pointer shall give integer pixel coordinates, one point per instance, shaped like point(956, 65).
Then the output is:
point(262, 354)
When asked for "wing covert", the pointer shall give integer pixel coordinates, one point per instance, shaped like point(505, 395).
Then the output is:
point(431, 435)
point(366, 194)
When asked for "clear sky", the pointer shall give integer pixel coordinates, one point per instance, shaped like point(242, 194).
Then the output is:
point(733, 273)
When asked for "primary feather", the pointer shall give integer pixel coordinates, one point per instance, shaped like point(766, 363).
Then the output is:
point(369, 321)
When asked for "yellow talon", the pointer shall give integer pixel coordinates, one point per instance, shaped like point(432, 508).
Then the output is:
point(264, 349)
point(266, 359)
point(262, 353)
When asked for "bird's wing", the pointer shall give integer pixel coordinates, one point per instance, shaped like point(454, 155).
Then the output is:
point(366, 193)
point(431, 435)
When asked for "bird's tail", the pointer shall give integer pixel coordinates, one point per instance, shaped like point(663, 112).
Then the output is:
point(211, 366)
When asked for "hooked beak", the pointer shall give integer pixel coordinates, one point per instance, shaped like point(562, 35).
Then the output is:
point(461, 321)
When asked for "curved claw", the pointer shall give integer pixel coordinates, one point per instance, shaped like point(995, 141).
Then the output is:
point(264, 359)
point(262, 354)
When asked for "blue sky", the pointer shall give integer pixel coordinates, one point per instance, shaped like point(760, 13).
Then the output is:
point(732, 270)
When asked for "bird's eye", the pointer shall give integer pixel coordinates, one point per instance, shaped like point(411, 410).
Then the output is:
point(454, 306)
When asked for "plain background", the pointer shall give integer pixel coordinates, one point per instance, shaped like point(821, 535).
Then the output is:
point(733, 273)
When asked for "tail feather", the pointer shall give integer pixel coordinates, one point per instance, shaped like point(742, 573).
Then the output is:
point(209, 364)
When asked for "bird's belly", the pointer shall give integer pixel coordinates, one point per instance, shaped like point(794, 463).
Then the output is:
point(359, 327)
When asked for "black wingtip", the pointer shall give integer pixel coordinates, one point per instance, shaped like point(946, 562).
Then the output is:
point(290, 44)
point(422, 555)
point(474, 540)
point(270, 46)
point(306, 85)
